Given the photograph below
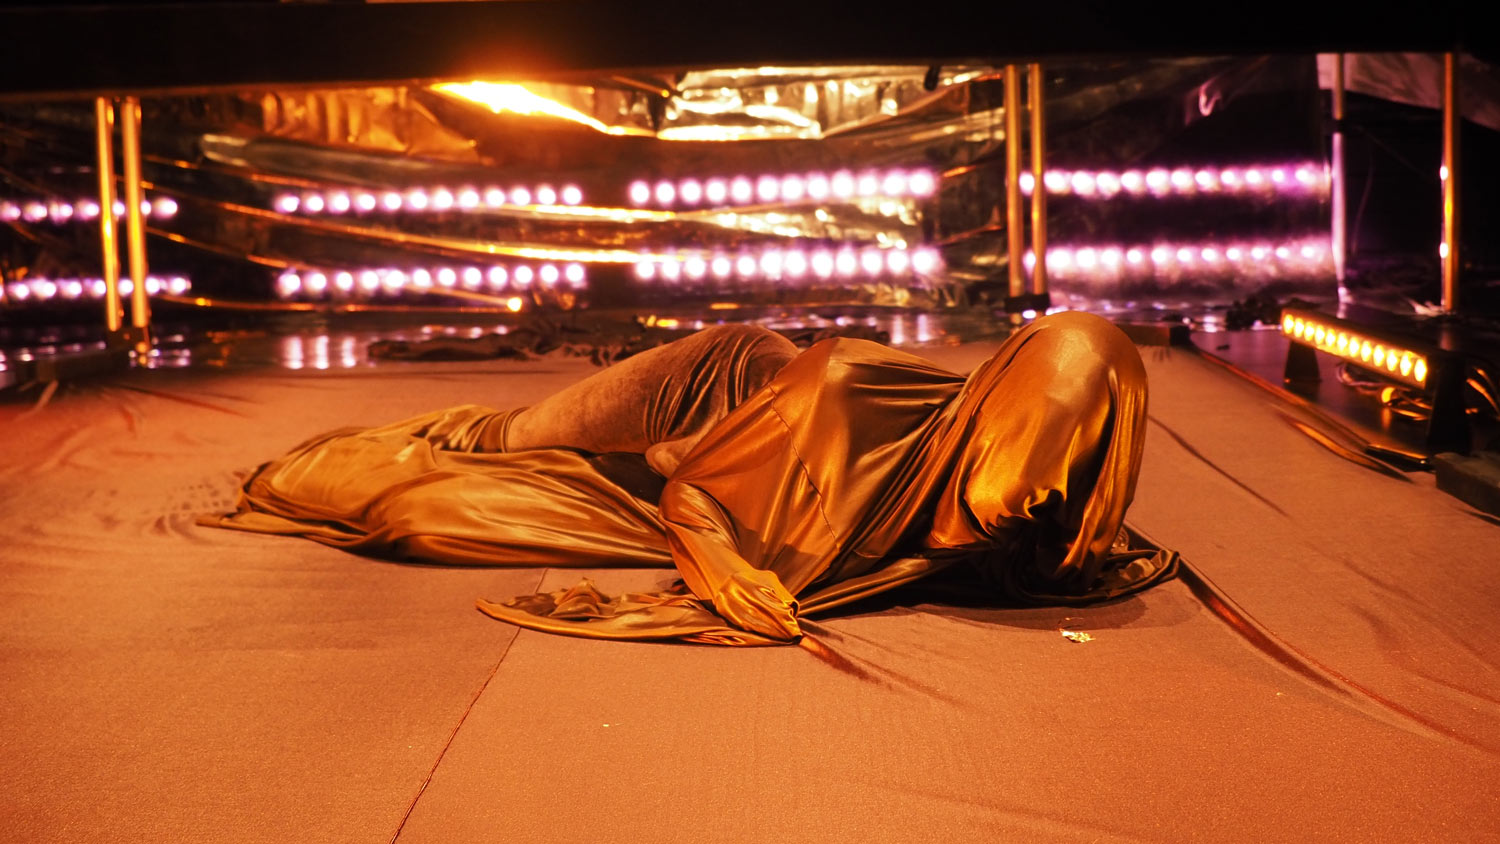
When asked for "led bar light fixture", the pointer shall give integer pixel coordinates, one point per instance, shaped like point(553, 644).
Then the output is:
point(425, 200)
point(57, 211)
point(792, 265)
point(491, 279)
point(67, 289)
point(841, 186)
point(1159, 182)
point(1306, 257)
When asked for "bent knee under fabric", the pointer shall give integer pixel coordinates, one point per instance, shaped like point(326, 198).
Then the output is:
point(659, 402)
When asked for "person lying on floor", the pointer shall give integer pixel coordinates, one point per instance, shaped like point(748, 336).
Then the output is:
point(778, 483)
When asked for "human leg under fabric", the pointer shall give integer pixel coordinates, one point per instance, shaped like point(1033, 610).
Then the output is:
point(657, 403)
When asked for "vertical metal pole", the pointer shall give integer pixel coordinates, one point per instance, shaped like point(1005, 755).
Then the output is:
point(1038, 181)
point(1448, 250)
point(1014, 220)
point(104, 149)
point(1337, 186)
point(135, 228)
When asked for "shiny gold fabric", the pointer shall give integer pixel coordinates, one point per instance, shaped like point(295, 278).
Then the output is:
point(855, 469)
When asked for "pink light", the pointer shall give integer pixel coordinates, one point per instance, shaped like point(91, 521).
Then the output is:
point(45, 289)
point(868, 184)
point(1310, 252)
point(472, 278)
point(446, 277)
point(572, 195)
point(1028, 183)
point(1182, 179)
point(640, 193)
point(645, 270)
point(1253, 177)
point(522, 276)
point(468, 199)
point(1278, 176)
point(96, 288)
point(818, 186)
point(1082, 183)
point(842, 184)
point(1231, 179)
point(549, 275)
point(421, 279)
point(118, 207)
point(1206, 180)
point(1210, 255)
point(1135, 256)
point(1109, 184)
point(1260, 253)
point(369, 280)
point(179, 285)
point(497, 276)
point(1029, 260)
point(1234, 253)
point(343, 281)
point(88, 209)
point(922, 183)
point(741, 190)
point(575, 275)
point(365, 201)
point(1056, 181)
point(665, 193)
point(1087, 259)
point(70, 288)
point(1158, 181)
point(925, 260)
point(795, 263)
point(1160, 255)
point(288, 285)
point(34, 212)
point(715, 191)
point(391, 201)
point(691, 192)
point(745, 266)
point(766, 188)
point(286, 203)
point(1283, 253)
point(1305, 176)
point(520, 196)
point(442, 199)
point(846, 263)
point(1185, 255)
point(822, 263)
point(495, 197)
point(62, 211)
point(770, 263)
point(338, 203)
point(546, 195)
point(1060, 259)
point(695, 268)
point(1110, 257)
point(19, 291)
point(1133, 181)
point(721, 266)
point(871, 261)
point(671, 270)
point(897, 261)
point(793, 188)
point(894, 183)
point(417, 199)
point(394, 280)
point(10, 211)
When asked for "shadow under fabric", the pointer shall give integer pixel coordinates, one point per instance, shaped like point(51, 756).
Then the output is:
point(854, 470)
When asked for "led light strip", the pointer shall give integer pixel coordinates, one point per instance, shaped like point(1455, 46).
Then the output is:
point(823, 263)
point(1107, 263)
point(435, 200)
point(61, 211)
point(1161, 182)
point(48, 289)
point(794, 187)
point(1380, 356)
point(493, 279)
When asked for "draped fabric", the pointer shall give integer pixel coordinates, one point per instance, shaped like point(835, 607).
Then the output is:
point(855, 469)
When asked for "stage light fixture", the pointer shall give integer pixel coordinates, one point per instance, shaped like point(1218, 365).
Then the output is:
point(40, 289)
point(349, 283)
point(436, 199)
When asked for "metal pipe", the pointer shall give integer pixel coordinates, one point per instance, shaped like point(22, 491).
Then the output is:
point(1036, 99)
point(1014, 219)
point(109, 245)
point(1339, 211)
point(1448, 249)
point(135, 226)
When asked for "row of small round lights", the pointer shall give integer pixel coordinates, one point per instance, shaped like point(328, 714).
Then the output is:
point(59, 211)
point(794, 265)
point(492, 279)
point(53, 289)
point(1105, 263)
point(426, 200)
point(841, 185)
point(1161, 182)
point(1381, 357)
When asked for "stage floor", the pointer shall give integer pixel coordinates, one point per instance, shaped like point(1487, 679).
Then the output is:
point(1328, 668)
